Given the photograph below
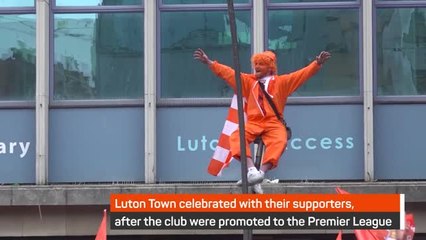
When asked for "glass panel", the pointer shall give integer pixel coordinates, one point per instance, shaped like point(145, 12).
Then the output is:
point(201, 1)
point(17, 57)
point(97, 2)
point(98, 56)
point(181, 34)
point(16, 3)
point(298, 36)
point(291, 1)
point(401, 51)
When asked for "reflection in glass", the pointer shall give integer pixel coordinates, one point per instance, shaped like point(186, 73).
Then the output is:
point(298, 36)
point(181, 34)
point(17, 57)
point(292, 1)
point(401, 56)
point(16, 3)
point(201, 1)
point(98, 56)
point(97, 2)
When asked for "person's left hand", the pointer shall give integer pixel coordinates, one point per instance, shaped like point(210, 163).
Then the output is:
point(323, 57)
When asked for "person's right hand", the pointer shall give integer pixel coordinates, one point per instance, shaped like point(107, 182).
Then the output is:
point(201, 56)
point(323, 57)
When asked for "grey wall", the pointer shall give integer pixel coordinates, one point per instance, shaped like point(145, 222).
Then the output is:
point(96, 145)
point(399, 141)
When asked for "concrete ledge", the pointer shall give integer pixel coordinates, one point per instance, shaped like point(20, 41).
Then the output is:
point(76, 195)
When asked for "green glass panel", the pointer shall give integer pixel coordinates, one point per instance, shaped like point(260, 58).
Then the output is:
point(298, 36)
point(98, 56)
point(97, 2)
point(181, 34)
point(17, 57)
point(401, 51)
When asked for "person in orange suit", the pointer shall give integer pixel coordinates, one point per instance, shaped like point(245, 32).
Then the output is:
point(261, 119)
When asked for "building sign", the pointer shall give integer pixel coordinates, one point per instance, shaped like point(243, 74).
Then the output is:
point(17, 146)
point(327, 144)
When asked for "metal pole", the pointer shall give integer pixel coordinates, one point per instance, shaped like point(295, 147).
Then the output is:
point(247, 233)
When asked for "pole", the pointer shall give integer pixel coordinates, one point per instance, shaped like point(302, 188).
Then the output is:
point(247, 233)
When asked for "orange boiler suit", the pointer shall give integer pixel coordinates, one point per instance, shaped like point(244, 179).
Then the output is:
point(273, 132)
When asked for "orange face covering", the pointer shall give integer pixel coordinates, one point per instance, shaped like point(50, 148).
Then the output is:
point(267, 58)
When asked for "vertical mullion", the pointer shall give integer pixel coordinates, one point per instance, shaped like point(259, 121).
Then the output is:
point(42, 90)
point(258, 26)
point(367, 22)
point(150, 89)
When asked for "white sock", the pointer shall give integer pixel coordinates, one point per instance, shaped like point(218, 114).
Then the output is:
point(250, 169)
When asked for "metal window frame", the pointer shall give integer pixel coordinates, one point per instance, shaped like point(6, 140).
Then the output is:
point(254, 7)
point(392, 99)
point(18, 104)
point(89, 103)
point(192, 102)
point(44, 79)
point(326, 100)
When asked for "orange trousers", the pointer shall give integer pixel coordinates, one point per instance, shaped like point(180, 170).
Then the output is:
point(273, 134)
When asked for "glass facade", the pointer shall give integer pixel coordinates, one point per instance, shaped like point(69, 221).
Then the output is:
point(16, 3)
point(17, 56)
point(201, 1)
point(298, 36)
point(181, 34)
point(291, 1)
point(98, 56)
point(97, 2)
point(97, 61)
point(121, 105)
point(401, 51)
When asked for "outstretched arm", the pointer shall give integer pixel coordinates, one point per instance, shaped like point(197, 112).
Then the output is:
point(222, 71)
point(300, 76)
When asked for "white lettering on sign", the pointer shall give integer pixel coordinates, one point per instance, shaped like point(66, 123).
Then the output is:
point(20, 148)
point(193, 145)
point(202, 143)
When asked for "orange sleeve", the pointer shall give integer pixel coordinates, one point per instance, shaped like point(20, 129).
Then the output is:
point(299, 77)
point(224, 72)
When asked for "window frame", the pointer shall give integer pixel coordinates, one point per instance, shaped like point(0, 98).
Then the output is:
point(320, 100)
point(191, 102)
point(54, 103)
point(19, 104)
point(392, 99)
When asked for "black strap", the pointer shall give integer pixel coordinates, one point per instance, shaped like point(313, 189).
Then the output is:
point(262, 86)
